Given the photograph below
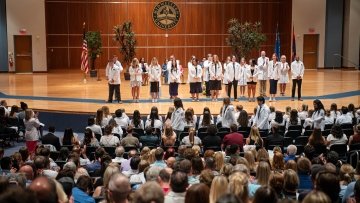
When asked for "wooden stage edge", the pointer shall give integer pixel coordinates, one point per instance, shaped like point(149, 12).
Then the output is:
point(65, 91)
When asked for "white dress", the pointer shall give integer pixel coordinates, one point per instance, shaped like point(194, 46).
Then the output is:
point(284, 73)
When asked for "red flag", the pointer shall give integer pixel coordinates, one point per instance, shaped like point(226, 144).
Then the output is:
point(84, 54)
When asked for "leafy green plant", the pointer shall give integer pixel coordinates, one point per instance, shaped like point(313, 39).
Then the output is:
point(93, 39)
point(244, 37)
point(126, 39)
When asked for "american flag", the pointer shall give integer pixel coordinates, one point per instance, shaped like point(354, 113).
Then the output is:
point(84, 57)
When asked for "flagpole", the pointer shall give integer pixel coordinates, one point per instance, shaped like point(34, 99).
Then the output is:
point(84, 80)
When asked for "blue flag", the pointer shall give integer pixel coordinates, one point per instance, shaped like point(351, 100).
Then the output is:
point(277, 43)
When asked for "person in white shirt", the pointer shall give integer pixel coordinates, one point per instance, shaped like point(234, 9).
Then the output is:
point(206, 73)
point(155, 75)
point(136, 120)
point(252, 72)
point(3, 104)
point(318, 117)
point(274, 70)
point(278, 120)
point(242, 77)
point(233, 74)
point(121, 119)
point(226, 73)
point(344, 118)
point(195, 75)
point(261, 118)
point(109, 140)
point(174, 80)
point(272, 113)
point(293, 119)
point(114, 81)
point(178, 117)
point(303, 114)
point(144, 67)
point(329, 120)
point(336, 136)
point(263, 63)
point(96, 129)
point(154, 120)
point(284, 75)
point(115, 62)
point(334, 111)
point(215, 78)
point(297, 74)
point(206, 118)
point(227, 113)
point(32, 124)
point(135, 79)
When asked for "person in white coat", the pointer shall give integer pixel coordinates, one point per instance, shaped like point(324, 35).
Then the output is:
point(297, 74)
point(318, 117)
point(155, 77)
point(284, 75)
point(178, 117)
point(116, 62)
point(32, 124)
point(206, 74)
point(174, 78)
point(215, 78)
point(135, 79)
point(252, 72)
point(113, 76)
point(242, 77)
point(274, 75)
point(261, 118)
point(233, 74)
point(145, 74)
point(195, 75)
point(262, 63)
point(227, 113)
point(226, 74)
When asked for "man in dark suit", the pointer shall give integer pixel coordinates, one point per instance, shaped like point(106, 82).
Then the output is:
point(51, 138)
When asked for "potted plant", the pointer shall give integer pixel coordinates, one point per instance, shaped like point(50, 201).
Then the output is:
point(126, 39)
point(243, 37)
point(94, 44)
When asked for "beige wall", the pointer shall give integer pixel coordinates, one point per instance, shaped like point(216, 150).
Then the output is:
point(309, 14)
point(30, 15)
point(351, 33)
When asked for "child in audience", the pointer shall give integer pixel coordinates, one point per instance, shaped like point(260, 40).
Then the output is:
point(303, 114)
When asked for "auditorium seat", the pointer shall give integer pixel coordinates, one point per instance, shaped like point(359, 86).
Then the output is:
point(110, 151)
point(353, 147)
point(183, 134)
point(341, 149)
point(138, 131)
point(301, 140)
point(222, 134)
point(295, 127)
point(223, 129)
point(293, 134)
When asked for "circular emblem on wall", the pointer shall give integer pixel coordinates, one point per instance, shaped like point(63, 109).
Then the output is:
point(166, 15)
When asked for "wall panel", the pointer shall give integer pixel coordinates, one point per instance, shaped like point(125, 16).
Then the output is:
point(202, 27)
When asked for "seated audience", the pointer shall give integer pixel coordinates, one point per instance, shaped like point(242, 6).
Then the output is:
point(169, 136)
point(233, 138)
point(90, 139)
point(130, 140)
point(211, 139)
point(69, 137)
point(355, 139)
point(51, 138)
point(191, 139)
point(336, 136)
point(109, 140)
point(96, 129)
point(149, 139)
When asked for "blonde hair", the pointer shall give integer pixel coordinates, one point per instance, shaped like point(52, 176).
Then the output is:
point(192, 133)
point(106, 110)
point(346, 173)
point(263, 172)
point(255, 135)
point(219, 160)
point(151, 156)
point(135, 62)
point(238, 185)
point(291, 180)
point(316, 197)
point(109, 171)
point(196, 149)
point(62, 197)
point(145, 153)
point(249, 156)
point(154, 61)
point(218, 188)
point(29, 114)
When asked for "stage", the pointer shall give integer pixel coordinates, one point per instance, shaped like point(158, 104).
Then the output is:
point(66, 91)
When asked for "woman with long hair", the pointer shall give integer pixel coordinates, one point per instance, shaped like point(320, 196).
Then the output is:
point(218, 188)
point(278, 120)
point(178, 117)
point(155, 78)
point(106, 117)
point(195, 78)
point(251, 74)
point(334, 113)
point(189, 118)
point(191, 139)
point(215, 78)
point(174, 78)
point(196, 193)
point(293, 119)
point(254, 137)
point(90, 139)
point(238, 185)
point(336, 136)
point(69, 137)
point(135, 79)
point(168, 115)
point(32, 124)
point(263, 173)
point(284, 74)
point(226, 73)
point(99, 117)
point(137, 121)
point(291, 184)
point(144, 67)
point(278, 163)
point(318, 117)
point(243, 119)
point(154, 120)
point(242, 77)
point(354, 139)
point(206, 118)
point(169, 136)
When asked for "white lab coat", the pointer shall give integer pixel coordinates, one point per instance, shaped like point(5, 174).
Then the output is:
point(274, 70)
point(195, 73)
point(168, 66)
point(242, 75)
point(284, 73)
point(318, 119)
point(228, 116)
point(154, 73)
point(263, 68)
point(206, 73)
point(178, 119)
point(261, 118)
point(254, 75)
point(114, 75)
point(135, 74)
point(343, 119)
point(215, 74)
point(107, 69)
point(174, 75)
point(233, 75)
point(297, 69)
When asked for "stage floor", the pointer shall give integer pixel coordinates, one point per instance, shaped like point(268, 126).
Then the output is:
point(66, 91)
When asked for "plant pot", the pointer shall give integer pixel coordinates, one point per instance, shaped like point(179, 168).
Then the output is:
point(93, 73)
point(127, 76)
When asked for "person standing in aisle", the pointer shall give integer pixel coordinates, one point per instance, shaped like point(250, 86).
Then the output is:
point(297, 74)
point(284, 75)
point(154, 74)
point(233, 72)
point(263, 63)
